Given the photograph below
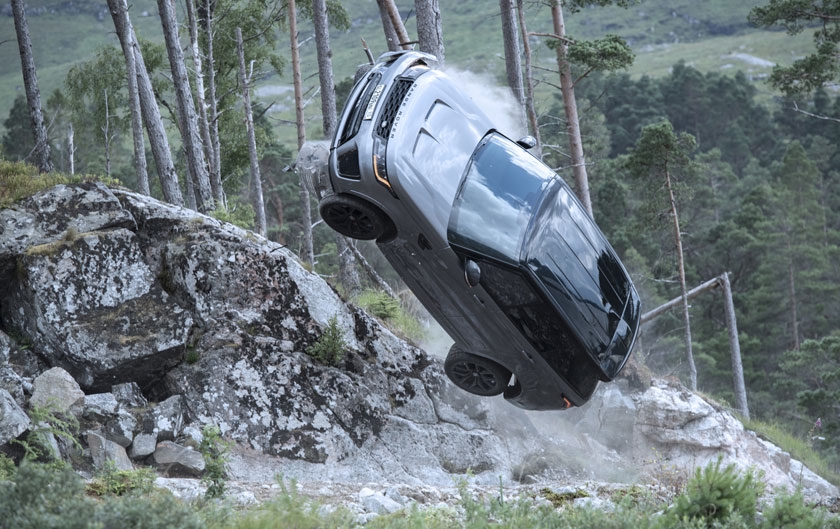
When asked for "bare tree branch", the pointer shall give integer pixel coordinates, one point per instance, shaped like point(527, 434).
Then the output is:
point(809, 114)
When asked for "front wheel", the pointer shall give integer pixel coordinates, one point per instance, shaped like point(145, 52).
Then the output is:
point(354, 217)
point(475, 374)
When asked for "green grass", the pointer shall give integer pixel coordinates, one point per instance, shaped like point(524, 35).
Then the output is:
point(392, 313)
point(796, 446)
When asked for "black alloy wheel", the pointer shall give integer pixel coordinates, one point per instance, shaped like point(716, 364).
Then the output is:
point(354, 217)
point(475, 374)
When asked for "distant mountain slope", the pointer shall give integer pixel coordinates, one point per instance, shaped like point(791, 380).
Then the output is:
point(661, 31)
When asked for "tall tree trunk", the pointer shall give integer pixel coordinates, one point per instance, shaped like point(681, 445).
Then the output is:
point(430, 27)
point(325, 70)
point(189, 121)
point(71, 148)
point(256, 178)
point(148, 105)
point(570, 107)
point(738, 386)
point(683, 288)
point(30, 83)
point(201, 104)
point(106, 134)
point(346, 259)
point(794, 316)
point(530, 111)
point(305, 203)
point(394, 14)
point(213, 117)
point(391, 37)
point(139, 143)
point(348, 276)
point(510, 37)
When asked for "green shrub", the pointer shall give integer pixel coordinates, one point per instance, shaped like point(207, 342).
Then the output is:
point(379, 304)
point(714, 494)
point(158, 510)
point(799, 448)
point(41, 496)
point(388, 309)
point(7, 468)
point(47, 422)
point(215, 451)
point(237, 213)
point(111, 481)
point(330, 346)
point(789, 511)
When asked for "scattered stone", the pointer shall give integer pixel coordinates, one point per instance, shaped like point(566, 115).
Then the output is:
point(171, 456)
point(129, 395)
point(121, 428)
point(13, 420)
point(144, 445)
point(166, 420)
point(13, 383)
point(57, 390)
point(378, 502)
point(99, 406)
point(102, 451)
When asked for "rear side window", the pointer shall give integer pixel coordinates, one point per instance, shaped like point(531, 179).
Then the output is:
point(497, 199)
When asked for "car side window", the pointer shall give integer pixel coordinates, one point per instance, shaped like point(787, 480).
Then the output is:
point(497, 199)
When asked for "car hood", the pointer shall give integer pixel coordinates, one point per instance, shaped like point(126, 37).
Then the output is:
point(431, 144)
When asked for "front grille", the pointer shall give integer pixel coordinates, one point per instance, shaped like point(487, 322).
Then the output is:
point(391, 106)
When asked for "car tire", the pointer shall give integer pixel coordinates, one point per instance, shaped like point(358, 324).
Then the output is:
point(475, 374)
point(355, 217)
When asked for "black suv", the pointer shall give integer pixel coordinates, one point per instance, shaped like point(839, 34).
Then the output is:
point(493, 243)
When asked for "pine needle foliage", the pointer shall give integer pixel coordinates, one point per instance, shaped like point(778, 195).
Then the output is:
point(330, 346)
point(715, 494)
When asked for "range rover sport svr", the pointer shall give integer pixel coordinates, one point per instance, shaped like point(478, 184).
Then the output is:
point(491, 241)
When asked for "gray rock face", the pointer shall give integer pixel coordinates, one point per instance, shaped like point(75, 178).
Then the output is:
point(13, 420)
point(47, 216)
point(117, 301)
point(688, 431)
point(129, 395)
point(92, 305)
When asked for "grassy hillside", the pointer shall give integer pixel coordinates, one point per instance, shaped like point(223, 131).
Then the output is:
point(710, 34)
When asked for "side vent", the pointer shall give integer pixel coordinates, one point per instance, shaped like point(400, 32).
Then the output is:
point(348, 164)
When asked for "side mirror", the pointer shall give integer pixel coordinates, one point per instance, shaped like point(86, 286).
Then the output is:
point(527, 142)
point(472, 273)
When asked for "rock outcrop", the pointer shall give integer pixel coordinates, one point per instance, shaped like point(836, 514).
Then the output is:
point(158, 320)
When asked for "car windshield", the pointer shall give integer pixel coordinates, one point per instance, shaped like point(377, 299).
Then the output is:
point(499, 194)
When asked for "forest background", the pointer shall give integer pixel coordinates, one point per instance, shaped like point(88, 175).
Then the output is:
point(758, 192)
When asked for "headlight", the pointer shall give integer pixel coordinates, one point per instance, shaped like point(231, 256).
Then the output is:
point(380, 170)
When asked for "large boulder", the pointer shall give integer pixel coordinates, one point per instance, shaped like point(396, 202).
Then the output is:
point(91, 304)
point(684, 430)
point(216, 322)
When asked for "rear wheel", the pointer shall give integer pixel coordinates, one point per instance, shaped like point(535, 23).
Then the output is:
point(475, 374)
point(355, 217)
